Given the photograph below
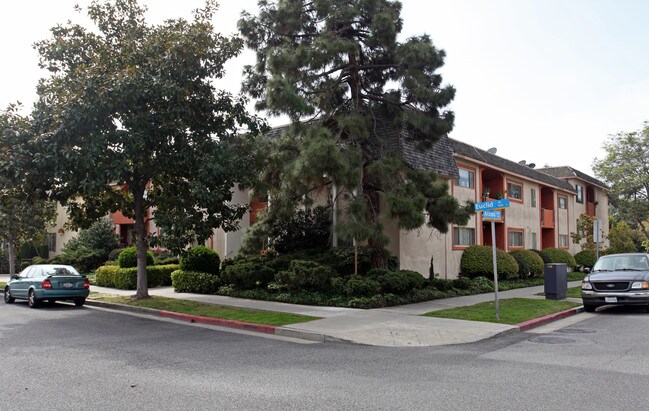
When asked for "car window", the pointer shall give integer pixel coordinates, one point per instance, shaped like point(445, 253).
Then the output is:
point(59, 271)
point(626, 262)
point(25, 273)
point(36, 272)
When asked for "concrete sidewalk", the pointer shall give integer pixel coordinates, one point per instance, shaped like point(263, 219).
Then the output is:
point(400, 326)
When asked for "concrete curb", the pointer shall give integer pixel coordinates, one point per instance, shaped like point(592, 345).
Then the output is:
point(240, 325)
point(537, 322)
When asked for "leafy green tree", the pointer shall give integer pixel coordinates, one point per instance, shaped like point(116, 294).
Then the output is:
point(23, 214)
point(626, 170)
point(337, 70)
point(584, 232)
point(131, 120)
point(92, 246)
point(622, 238)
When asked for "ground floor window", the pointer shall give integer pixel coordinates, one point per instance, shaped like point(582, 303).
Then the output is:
point(563, 240)
point(515, 238)
point(534, 245)
point(463, 236)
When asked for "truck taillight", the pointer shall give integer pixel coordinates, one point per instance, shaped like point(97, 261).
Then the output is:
point(86, 284)
point(46, 284)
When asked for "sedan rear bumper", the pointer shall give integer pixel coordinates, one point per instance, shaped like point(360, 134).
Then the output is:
point(623, 298)
point(61, 294)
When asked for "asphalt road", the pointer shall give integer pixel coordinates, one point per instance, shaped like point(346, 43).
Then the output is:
point(66, 358)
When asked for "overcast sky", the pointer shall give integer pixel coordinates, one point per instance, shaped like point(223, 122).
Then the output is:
point(541, 80)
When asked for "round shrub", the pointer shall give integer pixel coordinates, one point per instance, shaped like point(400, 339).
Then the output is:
point(530, 264)
point(544, 257)
point(202, 259)
point(361, 286)
point(247, 276)
point(557, 255)
point(105, 275)
point(194, 282)
point(477, 261)
point(440, 284)
point(400, 282)
point(128, 258)
point(377, 272)
point(462, 283)
point(483, 284)
point(586, 258)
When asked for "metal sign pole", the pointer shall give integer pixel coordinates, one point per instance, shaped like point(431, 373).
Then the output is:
point(493, 253)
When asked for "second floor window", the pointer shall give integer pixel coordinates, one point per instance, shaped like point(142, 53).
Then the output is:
point(533, 197)
point(580, 194)
point(563, 203)
point(466, 179)
point(515, 191)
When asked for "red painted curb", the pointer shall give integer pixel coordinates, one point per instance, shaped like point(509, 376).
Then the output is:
point(268, 329)
point(536, 322)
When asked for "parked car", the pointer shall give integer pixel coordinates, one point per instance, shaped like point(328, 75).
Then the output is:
point(618, 279)
point(48, 282)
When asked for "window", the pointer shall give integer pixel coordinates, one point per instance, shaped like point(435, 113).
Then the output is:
point(515, 238)
point(534, 245)
point(563, 240)
point(463, 236)
point(51, 241)
point(563, 203)
point(580, 194)
point(533, 197)
point(515, 191)
point(466, 179)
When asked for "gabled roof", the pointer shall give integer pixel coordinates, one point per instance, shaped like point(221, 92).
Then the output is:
point(475, 153)
point(565, 172)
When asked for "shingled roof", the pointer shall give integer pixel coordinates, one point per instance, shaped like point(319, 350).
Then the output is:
point(569, 172)
point(438, 158)
point(475, 153)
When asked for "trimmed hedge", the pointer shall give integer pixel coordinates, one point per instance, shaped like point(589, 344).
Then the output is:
point(105, 275)
point(128, 258)
point(306, 275)
point(546, 259)
point(360, 286)
point(557, 255)
point(400, 282)
point(586, 258)
point(530, 264)
point(126, 278)
point(246, 276)
point(194, 282)
point(477, 261)
point(201, 259)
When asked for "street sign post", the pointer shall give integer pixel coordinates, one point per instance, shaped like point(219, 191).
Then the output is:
point(490, 211)
point(597, 236)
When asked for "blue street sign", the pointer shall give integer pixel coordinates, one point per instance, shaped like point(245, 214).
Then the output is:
point(492, 205)
point(491, 215)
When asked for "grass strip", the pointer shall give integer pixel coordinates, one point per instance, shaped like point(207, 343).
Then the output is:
point(572, 292)
point(208, 310)
point(512, 310)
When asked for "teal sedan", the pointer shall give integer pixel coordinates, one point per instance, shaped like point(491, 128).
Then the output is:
point(37, 283)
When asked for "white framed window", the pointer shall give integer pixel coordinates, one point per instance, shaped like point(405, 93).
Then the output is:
point(515, 191)
point(466, 179)
point(533, 197)
point(580, 194)
point(563, 240)
point(463, 236)
point(515, 238)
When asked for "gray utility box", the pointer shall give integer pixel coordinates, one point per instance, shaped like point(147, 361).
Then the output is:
point(555, 278)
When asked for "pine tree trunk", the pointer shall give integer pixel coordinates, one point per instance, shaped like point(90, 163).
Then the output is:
point(141, 246)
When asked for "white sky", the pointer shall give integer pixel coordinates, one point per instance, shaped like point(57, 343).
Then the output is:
point(542, 80)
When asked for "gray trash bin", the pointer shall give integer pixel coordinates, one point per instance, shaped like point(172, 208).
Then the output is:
point(555, 278)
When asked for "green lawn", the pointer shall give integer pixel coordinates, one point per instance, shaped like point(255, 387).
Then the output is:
point(572, 292)
point(512, 310)
point(208, 310)
point(2, 285)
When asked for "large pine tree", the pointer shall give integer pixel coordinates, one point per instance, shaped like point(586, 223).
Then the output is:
point(336, 68)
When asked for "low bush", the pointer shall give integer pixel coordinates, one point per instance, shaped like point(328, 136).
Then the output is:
point(194, 282)
point(546, 258)
point(477, 261)
point(483, 284)
point(160, 275)
point(246, 276)
point(202, 259)
point(586, 258)
point(126, 278)
point(440, 284)
point(128, 258)
point(306, 275)
point(463, 283)
point(530, 264)
point(113, 255)
point(557, 255)
point(360, 286)
point(105, 275)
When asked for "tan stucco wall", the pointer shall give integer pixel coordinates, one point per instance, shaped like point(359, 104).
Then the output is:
point(63, 235)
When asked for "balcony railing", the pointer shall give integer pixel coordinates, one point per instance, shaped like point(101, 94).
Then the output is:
point(547, 218)
point(590, 209)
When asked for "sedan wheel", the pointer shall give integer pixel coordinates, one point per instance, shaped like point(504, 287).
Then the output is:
point(79, 302)
point(8, 298)
point(589, 308)
point(32, 300)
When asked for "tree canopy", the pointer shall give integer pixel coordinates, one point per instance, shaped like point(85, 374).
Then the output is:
point(626, 170)
point(131, 120)
point(24, 215)
point(338, 71)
